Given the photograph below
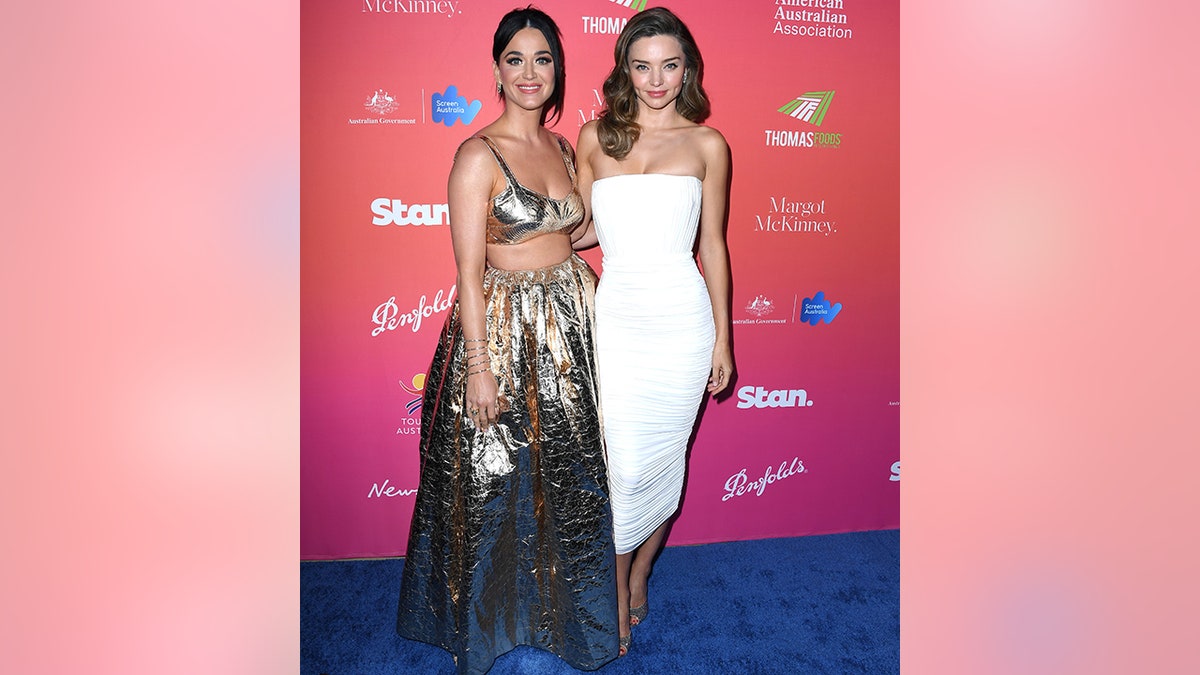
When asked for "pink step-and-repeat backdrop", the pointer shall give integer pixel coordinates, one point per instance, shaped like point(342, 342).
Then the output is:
point(807, 94)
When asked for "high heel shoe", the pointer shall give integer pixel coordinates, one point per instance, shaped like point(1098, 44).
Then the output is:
point(638, 614)
point(624, 644)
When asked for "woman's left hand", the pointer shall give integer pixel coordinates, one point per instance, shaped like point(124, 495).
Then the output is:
point(722, 369)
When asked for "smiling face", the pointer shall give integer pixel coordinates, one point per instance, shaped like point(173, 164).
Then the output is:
point(526, 69)
point(656, 68)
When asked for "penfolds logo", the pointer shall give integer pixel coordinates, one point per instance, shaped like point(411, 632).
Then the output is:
point(740, 484)
point(387, 316)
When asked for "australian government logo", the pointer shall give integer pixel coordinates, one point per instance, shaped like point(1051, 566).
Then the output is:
point(811, 19)
point(447, 8)
point(809, 108)
point(389, 316)
point(382, 105)
point(762, 310)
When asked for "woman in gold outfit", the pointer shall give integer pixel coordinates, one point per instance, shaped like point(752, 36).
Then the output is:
point(511, 539)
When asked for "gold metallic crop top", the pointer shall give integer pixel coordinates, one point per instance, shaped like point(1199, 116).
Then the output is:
point(518, 214)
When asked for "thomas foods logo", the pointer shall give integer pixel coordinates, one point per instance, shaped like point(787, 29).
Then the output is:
point(809, 107)
point(449, 107)
point(635, 5)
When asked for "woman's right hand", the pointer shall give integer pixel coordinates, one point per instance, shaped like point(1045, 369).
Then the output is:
point(483, 405)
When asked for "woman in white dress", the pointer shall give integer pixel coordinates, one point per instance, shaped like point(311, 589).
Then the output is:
point(656, 182)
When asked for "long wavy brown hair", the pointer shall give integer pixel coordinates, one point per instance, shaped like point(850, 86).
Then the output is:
point(617, 127)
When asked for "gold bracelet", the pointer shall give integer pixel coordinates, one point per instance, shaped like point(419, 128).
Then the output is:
point(481, 370)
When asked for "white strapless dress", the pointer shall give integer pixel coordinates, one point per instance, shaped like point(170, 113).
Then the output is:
point(654, 340)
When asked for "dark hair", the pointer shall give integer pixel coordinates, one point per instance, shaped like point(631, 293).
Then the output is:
point(618, 128)
point(531, 17)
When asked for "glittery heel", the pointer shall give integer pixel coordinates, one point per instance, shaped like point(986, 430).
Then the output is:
point(638, 614)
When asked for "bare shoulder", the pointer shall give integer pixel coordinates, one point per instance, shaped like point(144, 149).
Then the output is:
point(588, 139)
point(473, 154)
point(709, 140)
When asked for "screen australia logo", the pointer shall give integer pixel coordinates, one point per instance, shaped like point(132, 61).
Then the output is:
point(450, 107)
point(810, 107)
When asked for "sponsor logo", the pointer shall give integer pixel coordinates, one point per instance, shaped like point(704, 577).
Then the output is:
point(447, 7)
point(603, 25)
point(751, 396)
point(740, 484)
point(417, 389)
point(381, 103)
point(386, 490)
point(817, 309)
point(448, 108)
point(795, 215)
point(760, 307)
point(809, 107)
point(895, 477)
point(396, 212)
point(387, 316)
point(635, 5)
point(811, 18)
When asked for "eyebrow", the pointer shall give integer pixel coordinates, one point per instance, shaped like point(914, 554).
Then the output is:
point(515, 52)
point(673, 58)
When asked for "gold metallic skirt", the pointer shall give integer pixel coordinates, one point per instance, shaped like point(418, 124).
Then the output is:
point(511, 539)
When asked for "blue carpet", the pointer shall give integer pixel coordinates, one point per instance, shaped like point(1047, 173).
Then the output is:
point(816, 604)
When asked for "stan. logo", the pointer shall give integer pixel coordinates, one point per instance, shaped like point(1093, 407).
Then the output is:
point(817, 309)
point(750, 396)
point(449, 107)
point(895, 477)
point(381, 103)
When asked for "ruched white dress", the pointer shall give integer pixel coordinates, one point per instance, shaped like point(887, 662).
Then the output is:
point(654, 341)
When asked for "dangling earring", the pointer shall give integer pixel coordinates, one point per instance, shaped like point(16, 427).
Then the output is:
point(685, 77)
point(499, 88)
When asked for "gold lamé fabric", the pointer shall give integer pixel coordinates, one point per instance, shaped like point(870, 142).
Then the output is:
point(518, 214)
point(511, 539)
